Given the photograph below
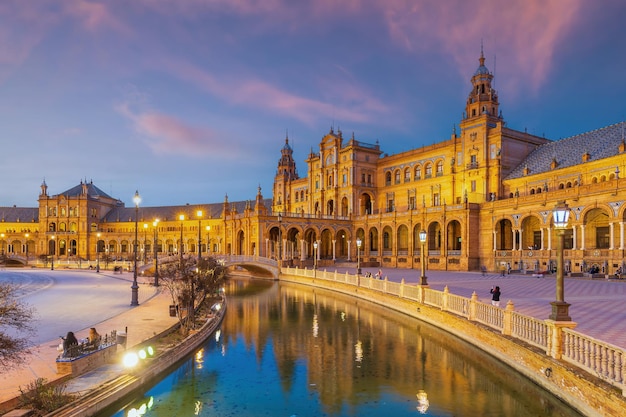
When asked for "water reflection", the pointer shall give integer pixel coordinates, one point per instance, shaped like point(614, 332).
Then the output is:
point(287, 350)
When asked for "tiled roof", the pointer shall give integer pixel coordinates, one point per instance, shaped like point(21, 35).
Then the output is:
point(19, 214)
point(92, 191)
point(170, 213)
point(599, 144)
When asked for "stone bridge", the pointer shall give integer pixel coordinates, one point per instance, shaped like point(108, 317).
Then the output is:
point(257, 265)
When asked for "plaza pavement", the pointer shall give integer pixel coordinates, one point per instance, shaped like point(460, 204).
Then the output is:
point(597, 306)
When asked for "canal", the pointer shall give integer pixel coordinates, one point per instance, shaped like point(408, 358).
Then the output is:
point(289, 350)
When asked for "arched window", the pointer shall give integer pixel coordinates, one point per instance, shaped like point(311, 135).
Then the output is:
point(428, 170)
point(439, 168)
point(388, 178)
point(418, 173)
point(397, 176)
point(407, 175)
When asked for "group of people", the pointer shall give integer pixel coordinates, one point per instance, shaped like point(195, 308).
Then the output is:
point(70, 342)
point(378, 275)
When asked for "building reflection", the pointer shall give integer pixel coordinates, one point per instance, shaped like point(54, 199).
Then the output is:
point(355, 352)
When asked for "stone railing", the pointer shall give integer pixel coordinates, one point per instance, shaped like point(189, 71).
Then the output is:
point(556, 339)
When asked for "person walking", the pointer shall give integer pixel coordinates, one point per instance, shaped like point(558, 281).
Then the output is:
point(495, 297)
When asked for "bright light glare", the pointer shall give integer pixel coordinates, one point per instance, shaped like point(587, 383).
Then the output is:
point(131, 360)
point(143, 354)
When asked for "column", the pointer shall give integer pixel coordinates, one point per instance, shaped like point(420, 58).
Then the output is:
point(542, 237)
point(574, 236)
point(349, 250)
point(334, 248)
point(302, 254)
point(582, 236)
point(549, 238)
point(621, 235)
point(267, 247)
point(521, 240)
point(495, 235)
point(611, 235)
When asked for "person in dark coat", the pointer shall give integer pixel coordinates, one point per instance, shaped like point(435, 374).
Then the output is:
point(495, 297)
point(69, 342)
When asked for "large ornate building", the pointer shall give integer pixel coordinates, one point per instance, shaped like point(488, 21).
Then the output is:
point(484, 197)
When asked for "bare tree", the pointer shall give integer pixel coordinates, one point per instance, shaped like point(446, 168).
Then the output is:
point(15, 327)
point(189, 282)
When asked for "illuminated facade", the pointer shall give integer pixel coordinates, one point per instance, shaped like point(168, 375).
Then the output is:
point(484, 197)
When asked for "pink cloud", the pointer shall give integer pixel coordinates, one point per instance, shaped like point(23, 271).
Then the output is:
point(353, 104)
point(525, 33)
point(165, 134)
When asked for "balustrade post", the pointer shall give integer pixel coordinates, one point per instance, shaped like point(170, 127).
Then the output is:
point(473, 306)
point(444, 300)
point(402, 288)
point(556, 346)
point(507, 325)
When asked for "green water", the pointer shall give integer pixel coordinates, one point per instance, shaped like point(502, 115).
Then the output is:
point(286, 350)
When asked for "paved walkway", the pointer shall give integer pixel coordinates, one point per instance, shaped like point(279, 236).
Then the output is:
point(596, 305)
point(143, 322)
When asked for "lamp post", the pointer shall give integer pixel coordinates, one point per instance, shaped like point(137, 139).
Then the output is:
point(180, 249)
point(26, 236)
point(98, 253)
point(423, 280)
point(134, 288)
point(560, 309)
point(315, 255)
point(199, 213)
point(156, 253)
point(145, 253)
point(358, 255)
point(53, 249)
point(2, 237)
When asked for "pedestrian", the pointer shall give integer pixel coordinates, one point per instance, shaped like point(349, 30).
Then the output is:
point(495, 298)
point(483, 270)
point(70, 345)
point(380, 274)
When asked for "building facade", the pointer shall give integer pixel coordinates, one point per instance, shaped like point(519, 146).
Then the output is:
point(484, 197)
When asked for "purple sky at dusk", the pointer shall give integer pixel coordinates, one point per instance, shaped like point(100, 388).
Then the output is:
point(189, 100)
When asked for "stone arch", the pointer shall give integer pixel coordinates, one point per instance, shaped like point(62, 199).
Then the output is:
point(372, 240)
point(387, 239)
point(344, 207)
point(240, 243)
point(504, 234)
point(434, 238)
point(453, 235)
point(597, 229)
point(365, 204)
point(402, 239)
point(531, 238)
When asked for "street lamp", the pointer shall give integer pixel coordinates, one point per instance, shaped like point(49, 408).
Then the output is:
point(52, 252)
point(199, 213)
point(134, 288)
point(315, 255)
point(156, 253)
point(98, 253)
point(423, 280)
point(560, 309)
point(2, 236)
point(358, 255)
point(180, 248)
point(26, 235)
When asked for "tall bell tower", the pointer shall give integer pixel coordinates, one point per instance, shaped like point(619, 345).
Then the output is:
point(285, 173)
point(483, 99)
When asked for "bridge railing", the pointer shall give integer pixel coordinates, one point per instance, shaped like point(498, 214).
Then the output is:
point(602, 359)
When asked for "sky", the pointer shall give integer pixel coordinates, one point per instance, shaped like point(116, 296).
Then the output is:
point(188, 101)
